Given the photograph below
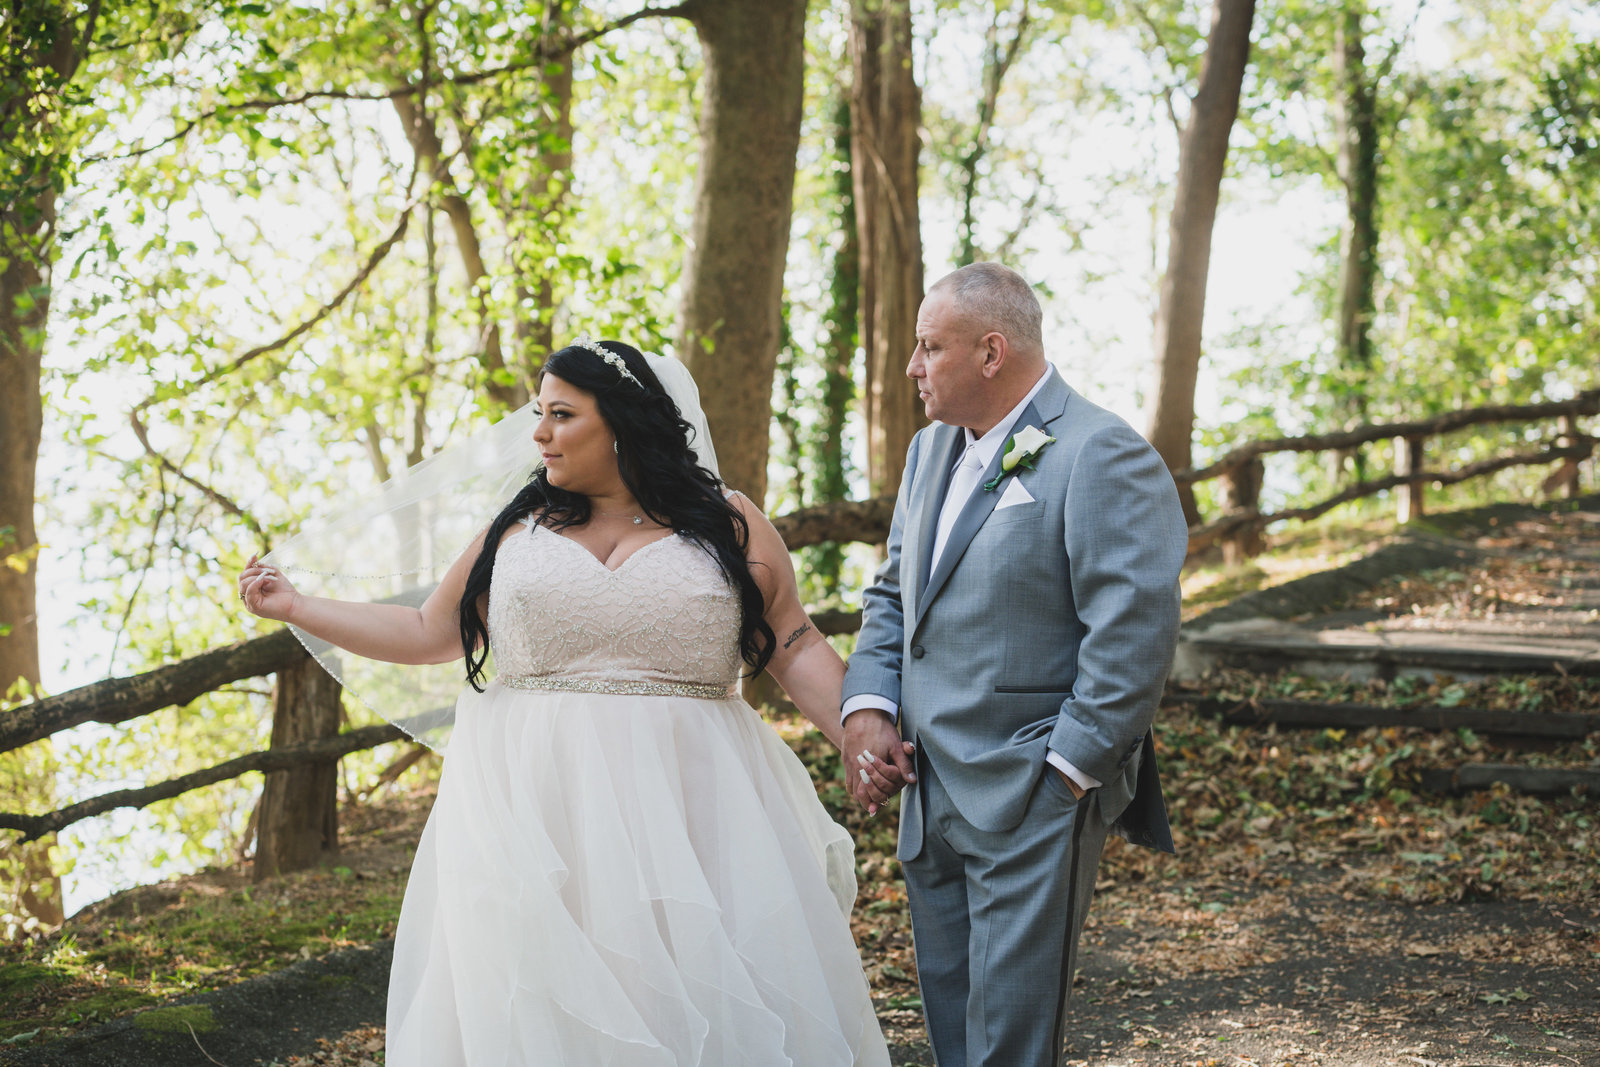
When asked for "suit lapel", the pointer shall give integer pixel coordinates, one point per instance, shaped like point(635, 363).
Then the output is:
point(948, 443)
point(1044, 409)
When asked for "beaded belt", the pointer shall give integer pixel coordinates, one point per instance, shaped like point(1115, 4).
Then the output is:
point(614, 686)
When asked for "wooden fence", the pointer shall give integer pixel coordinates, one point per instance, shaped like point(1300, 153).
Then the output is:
point(1239, 529)
point(297, 824)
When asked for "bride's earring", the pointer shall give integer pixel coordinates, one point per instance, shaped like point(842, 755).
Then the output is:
point(616, 448)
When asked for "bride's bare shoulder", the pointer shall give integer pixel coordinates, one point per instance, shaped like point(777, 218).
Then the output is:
point(746, 507)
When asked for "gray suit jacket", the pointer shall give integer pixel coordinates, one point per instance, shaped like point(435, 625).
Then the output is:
point(1046, 625)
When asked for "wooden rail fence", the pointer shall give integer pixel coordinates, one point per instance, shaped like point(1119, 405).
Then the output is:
point(1239, 529)
point(298, 826)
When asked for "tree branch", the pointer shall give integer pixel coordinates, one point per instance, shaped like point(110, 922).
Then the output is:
point(117, 700)
point(838, 520)
point(1167, 91)
point(544, 53)
point(214, 495)
point(428, 149)
point(273, 759)
point(144, 571)
point(323, 312)
point(1385, 66)
point(91, 19)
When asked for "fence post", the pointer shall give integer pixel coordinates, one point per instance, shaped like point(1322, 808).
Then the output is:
point(1566, 476)
point(299, 823)
point(1241, 489)
point(1408, 460)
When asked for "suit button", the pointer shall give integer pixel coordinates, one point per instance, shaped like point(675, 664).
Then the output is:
point(916, 651)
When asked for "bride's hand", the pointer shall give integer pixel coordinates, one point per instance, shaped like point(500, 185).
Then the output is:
point(266, 592)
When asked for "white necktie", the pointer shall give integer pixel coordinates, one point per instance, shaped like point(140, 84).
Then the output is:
point(962, 482)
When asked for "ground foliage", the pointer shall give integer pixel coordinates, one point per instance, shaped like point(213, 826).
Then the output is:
point(213, 928)
point(1351, 800)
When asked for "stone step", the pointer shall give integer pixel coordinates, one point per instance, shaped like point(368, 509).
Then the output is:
point(1540, 781)
point(1318, 715)
point(1360, 655)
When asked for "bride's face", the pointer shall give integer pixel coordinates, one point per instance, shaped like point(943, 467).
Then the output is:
point(578, 448)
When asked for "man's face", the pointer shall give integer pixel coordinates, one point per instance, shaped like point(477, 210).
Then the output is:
point(947, 364)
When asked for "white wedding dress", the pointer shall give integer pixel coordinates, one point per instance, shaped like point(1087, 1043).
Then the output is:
point(624, 866)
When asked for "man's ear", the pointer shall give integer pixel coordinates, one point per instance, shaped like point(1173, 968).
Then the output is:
point(995, 350)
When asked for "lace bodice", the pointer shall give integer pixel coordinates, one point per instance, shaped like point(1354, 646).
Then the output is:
point(665, 615)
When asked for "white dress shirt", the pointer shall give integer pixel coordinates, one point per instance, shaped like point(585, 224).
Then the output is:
point(968, 471)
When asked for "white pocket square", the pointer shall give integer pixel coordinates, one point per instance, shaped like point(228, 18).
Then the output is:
point(1015, 494)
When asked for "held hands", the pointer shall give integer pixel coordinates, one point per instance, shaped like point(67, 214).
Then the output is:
point(877, 763)
point(266, 592)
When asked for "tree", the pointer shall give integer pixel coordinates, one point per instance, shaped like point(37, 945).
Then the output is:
point(44, 45)
point(1203, 153)
point(299, 813)
point(1357, 165)
point(1457, 276)
point(268, 109)
point(728, 332)
point(273, 363)
point(830, 468)
point(885, 114)
point(998, 57)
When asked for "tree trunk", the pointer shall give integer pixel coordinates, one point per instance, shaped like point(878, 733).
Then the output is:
point(1202, 155)
point(997, 61)
point(24, 305)
point(42, 50)
point(30, 891)
point(501, 383)
point(886, 109)
point(544, 209)
point(299, 824)
point(733, 275)
point(1357, 161)
point(830, 478)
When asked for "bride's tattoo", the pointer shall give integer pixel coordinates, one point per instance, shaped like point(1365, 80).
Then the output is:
point(796, 635)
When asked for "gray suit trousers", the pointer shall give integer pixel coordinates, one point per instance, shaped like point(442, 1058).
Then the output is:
point(996, 919)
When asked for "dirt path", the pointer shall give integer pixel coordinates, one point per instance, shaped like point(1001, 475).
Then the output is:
point(1301, 974)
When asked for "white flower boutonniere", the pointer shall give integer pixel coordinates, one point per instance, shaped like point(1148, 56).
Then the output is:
point(1021, 451)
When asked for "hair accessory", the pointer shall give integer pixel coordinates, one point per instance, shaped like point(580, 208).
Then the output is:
point(585, 341)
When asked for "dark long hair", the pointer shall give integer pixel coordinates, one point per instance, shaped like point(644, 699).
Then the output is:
point(659, 469)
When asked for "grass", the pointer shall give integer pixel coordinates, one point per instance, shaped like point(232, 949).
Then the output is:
point(178, 1019)
point(1301, 549)
point(208, 930)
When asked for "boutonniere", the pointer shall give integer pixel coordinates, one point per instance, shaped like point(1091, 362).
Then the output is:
point(1021, 451)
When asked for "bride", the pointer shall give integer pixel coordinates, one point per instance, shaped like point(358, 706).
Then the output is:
point(624, 865)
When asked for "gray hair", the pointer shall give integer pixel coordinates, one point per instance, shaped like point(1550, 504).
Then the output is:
point(997, 299)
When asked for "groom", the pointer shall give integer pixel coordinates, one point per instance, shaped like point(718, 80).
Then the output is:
point(1018, 636)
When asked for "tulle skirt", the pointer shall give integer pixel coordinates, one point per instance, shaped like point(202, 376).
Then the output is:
point(626, 881)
